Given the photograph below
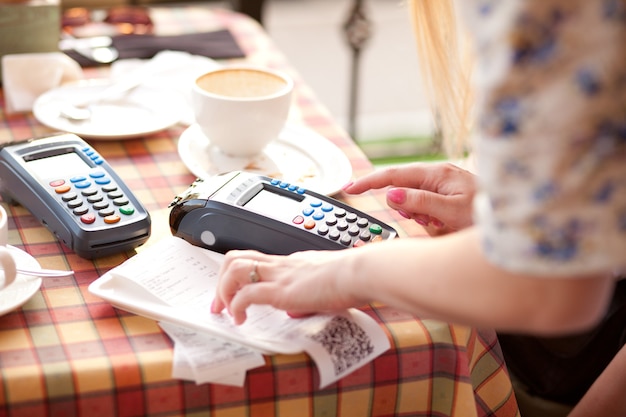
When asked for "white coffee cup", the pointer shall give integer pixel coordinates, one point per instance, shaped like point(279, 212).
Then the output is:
point(241, 109)
point(6, 259)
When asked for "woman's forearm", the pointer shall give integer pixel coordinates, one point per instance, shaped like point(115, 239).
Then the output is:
point(448, 278)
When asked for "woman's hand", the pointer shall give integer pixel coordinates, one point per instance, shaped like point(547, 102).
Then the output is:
point(301, 283)
point(436, 195)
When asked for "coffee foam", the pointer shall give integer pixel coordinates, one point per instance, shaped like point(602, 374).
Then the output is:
point(245, 83)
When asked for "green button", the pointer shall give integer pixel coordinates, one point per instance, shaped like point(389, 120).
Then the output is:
point(127, 210)
point(376, 229)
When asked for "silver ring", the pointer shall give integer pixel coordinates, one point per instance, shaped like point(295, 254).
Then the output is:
point(254, 274)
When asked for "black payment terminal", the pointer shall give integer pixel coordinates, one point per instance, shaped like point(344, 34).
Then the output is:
point(241, 210)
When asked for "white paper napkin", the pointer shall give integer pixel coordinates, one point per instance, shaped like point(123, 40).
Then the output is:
point(174, 71)
point(26, 76)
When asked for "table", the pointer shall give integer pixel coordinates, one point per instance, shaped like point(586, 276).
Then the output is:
point(68, 353)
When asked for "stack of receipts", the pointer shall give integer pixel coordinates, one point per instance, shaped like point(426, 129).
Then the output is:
point(174, 282)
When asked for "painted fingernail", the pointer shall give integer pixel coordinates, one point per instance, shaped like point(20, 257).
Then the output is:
point(403, 214)
point(422, 222)
point(396, 195)
point(294, 315)
point(348, 185)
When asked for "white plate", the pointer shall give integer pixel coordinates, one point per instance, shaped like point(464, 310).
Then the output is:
point(24, 287)
point(141, 111)
point(298, 156)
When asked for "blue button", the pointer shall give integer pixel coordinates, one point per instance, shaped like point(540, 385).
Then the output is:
point(307, 211)
point(292, 188)
point(274, 182)
point(301, 190)
point(318, 216)
point(283, 185)
point(96, 174)
point(83, 184)
point(102, 181)
point(89, 152)
point(78, 178)
point(327, 207)
point(316, 203)
point(98, 161)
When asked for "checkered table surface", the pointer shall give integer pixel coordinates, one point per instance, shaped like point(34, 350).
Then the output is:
point(67, 353)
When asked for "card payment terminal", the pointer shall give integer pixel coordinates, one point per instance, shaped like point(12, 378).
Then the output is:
point(241, 210)
point(74, 193)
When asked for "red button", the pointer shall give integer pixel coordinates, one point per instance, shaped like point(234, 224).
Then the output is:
point(88, 218)
point(56, 183)
point(298, 220)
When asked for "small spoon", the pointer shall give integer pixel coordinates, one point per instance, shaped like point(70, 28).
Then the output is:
point(80, 111)
point(44, 272)
point(98, 48)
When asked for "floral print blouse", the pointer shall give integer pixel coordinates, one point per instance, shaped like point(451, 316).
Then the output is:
point(551, 143)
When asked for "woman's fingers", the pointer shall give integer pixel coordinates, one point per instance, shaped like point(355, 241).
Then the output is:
point(239, 269)
point(257, 293)
point(404, 176)
point(428, 208)
point(217, 305)
point(427, 176)
point(435, 195)
point(248, 277)
point(302, 283)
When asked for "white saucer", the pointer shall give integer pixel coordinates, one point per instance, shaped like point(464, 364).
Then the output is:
point(298, 156)
point(24, 287)
point(142, 111)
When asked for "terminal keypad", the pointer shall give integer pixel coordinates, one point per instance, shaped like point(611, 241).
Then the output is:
point(93, 196)
point(350, 228)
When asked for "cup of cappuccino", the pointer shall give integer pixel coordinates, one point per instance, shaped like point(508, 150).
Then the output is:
point(241, 109)
point(7, 262)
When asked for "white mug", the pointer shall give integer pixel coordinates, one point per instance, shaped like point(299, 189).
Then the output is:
point(241, 109)
point(6, 259)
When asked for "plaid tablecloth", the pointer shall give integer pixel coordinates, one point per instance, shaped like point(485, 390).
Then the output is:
point(68, 353)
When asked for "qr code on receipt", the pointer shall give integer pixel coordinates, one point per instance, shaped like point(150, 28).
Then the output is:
point(346, 343)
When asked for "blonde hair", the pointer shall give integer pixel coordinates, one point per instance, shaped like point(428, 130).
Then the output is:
point(446, 64)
